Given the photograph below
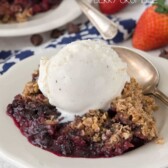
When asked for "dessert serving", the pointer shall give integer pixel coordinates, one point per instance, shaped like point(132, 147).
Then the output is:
point(83, 103)
point(22, 10)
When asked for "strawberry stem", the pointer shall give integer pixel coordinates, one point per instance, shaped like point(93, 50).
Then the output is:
point(161, 6)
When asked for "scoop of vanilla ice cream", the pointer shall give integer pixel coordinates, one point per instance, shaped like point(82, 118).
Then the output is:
point(82, 76)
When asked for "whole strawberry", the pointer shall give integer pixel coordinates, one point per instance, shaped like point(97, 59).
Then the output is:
point(152, 28)
point(112, 6)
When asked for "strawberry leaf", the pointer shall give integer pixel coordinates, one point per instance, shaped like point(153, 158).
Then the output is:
point(161, 7)
point(161, 2)
point(160, 10)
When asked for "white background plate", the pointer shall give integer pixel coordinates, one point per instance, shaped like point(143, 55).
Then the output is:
point(67, 11)
point(15, 146)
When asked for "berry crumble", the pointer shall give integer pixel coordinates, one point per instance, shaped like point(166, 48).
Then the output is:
point(126, 125)
point(22, 10)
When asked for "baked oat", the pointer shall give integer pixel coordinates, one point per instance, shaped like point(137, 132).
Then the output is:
point(128, 124)
point(22, 10)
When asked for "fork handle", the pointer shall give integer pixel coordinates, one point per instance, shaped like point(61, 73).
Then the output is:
point(106, 27)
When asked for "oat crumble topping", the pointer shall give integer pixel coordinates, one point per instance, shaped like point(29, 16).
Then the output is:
point(128, 124)
point(160, 140)
point(134, 108)
point(22, 10)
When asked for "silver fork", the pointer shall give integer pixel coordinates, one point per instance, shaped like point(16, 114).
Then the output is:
point(106, 27)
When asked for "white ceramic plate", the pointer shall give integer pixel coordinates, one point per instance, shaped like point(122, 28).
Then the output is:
point(67, 11)
point(14, 146)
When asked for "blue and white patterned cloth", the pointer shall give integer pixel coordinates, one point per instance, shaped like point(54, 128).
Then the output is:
point(126, 28)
